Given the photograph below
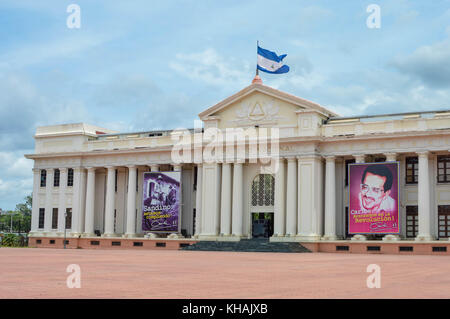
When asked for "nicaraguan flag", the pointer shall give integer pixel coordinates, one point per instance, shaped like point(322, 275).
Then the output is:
point(270, 62)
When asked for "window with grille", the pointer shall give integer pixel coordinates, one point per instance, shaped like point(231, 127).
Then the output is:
point(43, 177)
point(55, 218)
point(68, 218)
point(444, 221)
point(412, 170)
point(70, 177)
point(41, 217)
point(56, 178)
point(412, 221)
point(263, 188)
point(443, 169)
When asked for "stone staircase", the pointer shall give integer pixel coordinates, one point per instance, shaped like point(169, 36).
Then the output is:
point(248, 245)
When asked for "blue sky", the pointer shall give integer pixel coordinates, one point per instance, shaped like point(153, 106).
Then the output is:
point(143, 65)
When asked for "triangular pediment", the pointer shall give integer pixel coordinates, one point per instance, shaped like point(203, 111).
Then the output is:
point(259, 104)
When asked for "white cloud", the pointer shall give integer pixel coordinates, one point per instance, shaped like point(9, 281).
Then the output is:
point(211, 68)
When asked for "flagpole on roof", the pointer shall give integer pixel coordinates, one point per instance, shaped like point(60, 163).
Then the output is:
point(257, 45)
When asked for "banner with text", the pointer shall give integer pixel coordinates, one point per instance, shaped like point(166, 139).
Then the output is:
point(161, 202)
point(374, 198)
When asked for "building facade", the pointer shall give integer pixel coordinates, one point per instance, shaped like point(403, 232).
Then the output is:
point(88, 180)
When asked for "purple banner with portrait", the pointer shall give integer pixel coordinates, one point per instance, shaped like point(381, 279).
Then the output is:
point(374, 198)
point(161, 202)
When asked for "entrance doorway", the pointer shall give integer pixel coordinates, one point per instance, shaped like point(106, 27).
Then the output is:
point(262, 225)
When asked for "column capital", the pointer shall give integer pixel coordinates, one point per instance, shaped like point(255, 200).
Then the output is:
point(360, 158)
point(291, 159)
point(154, 167)
point(50, 170)
point(391, 157)
point(423, 153)
point(131, 166)
point(91, 169)
point(330, 158)
point(110, 167)
point(36, 170)
point(177, 167)
point(63, 169)
point(78, 169)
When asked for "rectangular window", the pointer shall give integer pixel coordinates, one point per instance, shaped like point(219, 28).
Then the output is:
point(347, 162)
point(70, 177)
point(137, 180)
point(55, 218)
point(412, 221)
point(443, 169)
point(68, 218)
point(115, 181)
point(195, 177)
point(56, 178)
point(412, 170)
point(444, 221)
point(43, 178)
point(41, 217)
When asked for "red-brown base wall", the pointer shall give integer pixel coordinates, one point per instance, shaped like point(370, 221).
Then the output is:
point(107, 243)
point(380, 247)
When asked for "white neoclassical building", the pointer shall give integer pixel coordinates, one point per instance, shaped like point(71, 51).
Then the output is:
point(88, 180)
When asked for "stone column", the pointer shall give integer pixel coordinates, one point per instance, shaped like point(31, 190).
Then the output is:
point(360, 158)
point(225, 210)
point(392, 157)
point(78, 200)
point(424, 199)
point(198, 201)
point(131, 202)
point(238, 205)
point(330, 199)
point(48, 201)
point(280, 199)
point(291, 198)
point(90, 203)
point(109, 202)
point(62, 200)
point(35, 202)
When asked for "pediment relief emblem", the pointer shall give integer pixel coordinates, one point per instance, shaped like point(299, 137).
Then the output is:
point(257, 112)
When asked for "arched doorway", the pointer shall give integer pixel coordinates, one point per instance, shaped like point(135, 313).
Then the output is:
point(262, 205)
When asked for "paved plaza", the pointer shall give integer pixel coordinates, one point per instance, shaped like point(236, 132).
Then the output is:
point(41, 273)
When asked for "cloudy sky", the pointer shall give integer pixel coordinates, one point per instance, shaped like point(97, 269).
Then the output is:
point(144, 65)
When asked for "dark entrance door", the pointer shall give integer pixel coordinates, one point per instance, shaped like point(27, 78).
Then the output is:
point(262, 225)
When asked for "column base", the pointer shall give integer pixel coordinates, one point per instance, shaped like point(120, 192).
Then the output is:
point(175, 236)
point(391, 238)
point(76, 234)
point(85, 235)
point(330, 238)
point(359, 238)
point(228, 238)
point(110, 235)
point(151, 235)
point(312, 237)
point(424, 238)
point(129, 235)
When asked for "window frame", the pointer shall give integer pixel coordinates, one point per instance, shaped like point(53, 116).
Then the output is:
point(445, 160)
point(414, 161)
point(43, 182)
point(56, 177)
point(41, 218)
point(70, 177)
point(444, 210)
point(412, 210)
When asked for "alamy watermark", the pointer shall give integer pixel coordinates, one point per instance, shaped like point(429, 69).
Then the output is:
point(74, 279)
point(374, 279)
point(74, 19)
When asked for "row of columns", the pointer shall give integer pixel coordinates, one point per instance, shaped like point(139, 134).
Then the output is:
point(423, 195)
point(83, 211)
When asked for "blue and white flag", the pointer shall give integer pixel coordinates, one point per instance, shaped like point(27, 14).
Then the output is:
point(270, 62)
